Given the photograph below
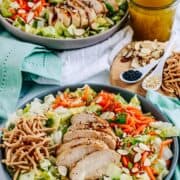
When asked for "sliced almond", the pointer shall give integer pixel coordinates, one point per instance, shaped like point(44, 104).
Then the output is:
point(135, 63)
point(156, 54)
point(134, 170)
point(145, 51)
point(144, 147)
point(137, 46)
point(130, 53)
point(122, 152)
point(137, 149)
point(62, 170)
point(124, 52)
point(126, 170)
point(137, 157)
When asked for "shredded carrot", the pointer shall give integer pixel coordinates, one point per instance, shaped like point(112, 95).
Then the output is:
point(150, 173)
point(167, 142)
point(152, 133)
point(163, 144)
point(144, 156)
point(125, 161)
point(140, 129)
point(85, 93)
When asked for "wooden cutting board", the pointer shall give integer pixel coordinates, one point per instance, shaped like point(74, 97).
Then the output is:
point(116, 68)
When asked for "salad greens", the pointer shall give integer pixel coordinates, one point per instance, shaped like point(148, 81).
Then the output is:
point(63, 19)
point(143, 144)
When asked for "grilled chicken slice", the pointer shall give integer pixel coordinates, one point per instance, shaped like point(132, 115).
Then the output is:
point(69, 157)
point(83, 118)
point(86, 133)
point(96, 5)
point(78, 142)
point(63, 15)
point(94, 126)
point(75, 16)
point(94, 165)
point(113, 3)
point(90, 11)
point(83, 14)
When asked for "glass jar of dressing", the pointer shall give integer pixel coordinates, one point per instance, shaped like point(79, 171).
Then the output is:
point(152, 19)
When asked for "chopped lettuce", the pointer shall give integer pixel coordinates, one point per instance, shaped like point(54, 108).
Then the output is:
point(27, 176)
point(120, 99)
point(113, 171)
point(135, 102)
point(60, 118)
point(160, 167)
point(77, 110)
point(94, 108)
point(165, 129)
point(4, 8)
point(45, 164)
point(48, 31)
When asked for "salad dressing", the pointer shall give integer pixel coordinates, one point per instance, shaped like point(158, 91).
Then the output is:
point(152, 19)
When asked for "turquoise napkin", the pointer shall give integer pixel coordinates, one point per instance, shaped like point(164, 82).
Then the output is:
point(17, 57)
point(170, 107)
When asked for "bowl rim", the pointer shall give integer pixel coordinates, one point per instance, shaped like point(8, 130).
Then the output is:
point(112, 89)
point(4, 23)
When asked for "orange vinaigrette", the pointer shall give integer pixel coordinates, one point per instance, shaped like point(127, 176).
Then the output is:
point(152, 19)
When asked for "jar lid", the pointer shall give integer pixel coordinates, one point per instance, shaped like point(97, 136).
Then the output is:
point(154, 3)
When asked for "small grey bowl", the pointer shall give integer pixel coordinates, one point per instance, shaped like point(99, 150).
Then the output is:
point(146, 107)
point(63, 44)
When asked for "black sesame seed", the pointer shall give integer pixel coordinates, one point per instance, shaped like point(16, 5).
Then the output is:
point(131, 75)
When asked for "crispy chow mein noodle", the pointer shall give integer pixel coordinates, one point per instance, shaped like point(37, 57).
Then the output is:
point(171, 76)
point(26, 144)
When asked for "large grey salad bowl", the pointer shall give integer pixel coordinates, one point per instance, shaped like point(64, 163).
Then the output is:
point(62, 44)
point(146, 107)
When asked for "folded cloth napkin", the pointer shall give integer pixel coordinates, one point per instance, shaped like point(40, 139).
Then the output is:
point(15, 57)
point(170, 107)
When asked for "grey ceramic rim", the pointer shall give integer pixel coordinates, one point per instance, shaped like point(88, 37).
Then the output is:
point(146, 107)
point(60, 44)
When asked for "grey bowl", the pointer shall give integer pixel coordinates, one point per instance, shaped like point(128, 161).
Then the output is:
point(146, 107)
point(61, 44)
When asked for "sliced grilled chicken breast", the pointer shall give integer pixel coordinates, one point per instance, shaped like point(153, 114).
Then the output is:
point(85, 133)
point(83, 118)
point(94, 126)
point(78, 142)
point(82, 12)
point(96, 5)
point(94, 165)
point(75, 16)
point(90, 11)
point(69, 157)
point(64, 16)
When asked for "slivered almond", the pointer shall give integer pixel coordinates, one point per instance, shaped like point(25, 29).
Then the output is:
point(137, 149)
point(134, 170)
point(62, 170)
point(122, 152)
point(144, 147)
point(126, 170)
point(137, 157)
